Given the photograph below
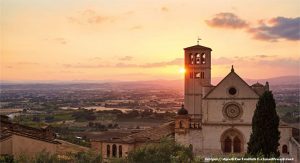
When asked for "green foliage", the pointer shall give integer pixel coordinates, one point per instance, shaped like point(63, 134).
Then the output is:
point(197, 160)
point(87, 157)
point(6, 159)
point(45, 157)
point(265, 134)
point(84, 115)
point(118, 160)
point(289, 118)
point(289, 114)
point(42, 157)
point(165, 152)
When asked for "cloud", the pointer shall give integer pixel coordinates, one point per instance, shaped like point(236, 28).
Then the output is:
point(61, 40)
point(222, 61)
point(69, 72)
point(79, 65)
point(277, 28)
point(177, 61)
point(137, 27)
point(174, 62)
point(129, 13)
point(164, 9)
point(281, 62)
point(126, 65)
point(91, 17)
point(267, 30)
point(27, 63)
point(95, 59)
point(266, 56)
point(259, 64)
point(261, 60)
point(57, 40)
point(9, 67)
point(227, 20)
point(126, 58)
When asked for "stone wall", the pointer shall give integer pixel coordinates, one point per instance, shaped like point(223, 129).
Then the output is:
point(194, 139)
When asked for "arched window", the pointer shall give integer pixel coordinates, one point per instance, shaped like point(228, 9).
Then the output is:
point(108, 151)
point(120, 151)
point(227, 145)
point(284, 149)
point(198, 59)
point(236, 145)
point(114, 150)
point(203, 61)
point(232, 141)
point(192, 59)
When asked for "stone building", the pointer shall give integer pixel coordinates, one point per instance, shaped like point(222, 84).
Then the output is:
point(16, 139)
point(217, 120)
point(116, 144)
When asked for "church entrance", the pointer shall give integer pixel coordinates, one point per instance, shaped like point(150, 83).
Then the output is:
point(232, 141)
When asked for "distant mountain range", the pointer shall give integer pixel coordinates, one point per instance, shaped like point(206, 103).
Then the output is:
point(177, 84)
point(282, 80)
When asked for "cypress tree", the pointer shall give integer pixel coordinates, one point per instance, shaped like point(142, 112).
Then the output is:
point(265, 135)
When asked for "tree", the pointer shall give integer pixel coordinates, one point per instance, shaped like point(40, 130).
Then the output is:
point(265, 134)
point(165, 151)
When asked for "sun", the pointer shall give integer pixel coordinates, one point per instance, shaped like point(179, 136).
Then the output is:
point(182, 70)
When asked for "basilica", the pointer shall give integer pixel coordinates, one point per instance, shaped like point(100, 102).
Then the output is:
point(216, 120)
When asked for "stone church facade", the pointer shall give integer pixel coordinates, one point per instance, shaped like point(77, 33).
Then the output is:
point(217, 120)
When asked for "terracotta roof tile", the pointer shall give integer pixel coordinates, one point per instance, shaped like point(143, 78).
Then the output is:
point(151, 135)
point(9, 128)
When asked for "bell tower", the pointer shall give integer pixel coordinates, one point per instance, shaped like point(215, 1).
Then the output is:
point(197, 60)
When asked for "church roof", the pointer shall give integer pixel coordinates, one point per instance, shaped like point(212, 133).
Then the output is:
point(149, 135)
point(232, 72)
point(197, 47)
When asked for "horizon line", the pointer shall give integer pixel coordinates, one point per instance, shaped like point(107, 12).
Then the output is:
point(116, 81)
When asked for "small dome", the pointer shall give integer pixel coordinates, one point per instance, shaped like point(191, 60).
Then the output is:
point(182, 111)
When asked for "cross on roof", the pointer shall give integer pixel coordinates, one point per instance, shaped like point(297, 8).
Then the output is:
point(198, 40)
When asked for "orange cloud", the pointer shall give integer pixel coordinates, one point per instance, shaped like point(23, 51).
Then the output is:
point(90, 17)
point(61, 40)
point(164, 9)
point(137, 27)
point(175, 62)
point(126, 58)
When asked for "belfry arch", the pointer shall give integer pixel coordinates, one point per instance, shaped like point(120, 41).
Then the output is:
point(232, 141)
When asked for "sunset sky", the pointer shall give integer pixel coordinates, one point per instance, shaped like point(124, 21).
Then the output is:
point(144, 39)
